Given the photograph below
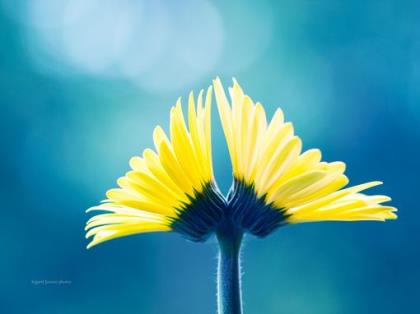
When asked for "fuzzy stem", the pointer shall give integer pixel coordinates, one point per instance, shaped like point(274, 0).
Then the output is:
point(229, 296)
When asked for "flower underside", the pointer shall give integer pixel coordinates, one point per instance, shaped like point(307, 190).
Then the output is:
point(172, 188)
point(198, 219)
point(209, 209)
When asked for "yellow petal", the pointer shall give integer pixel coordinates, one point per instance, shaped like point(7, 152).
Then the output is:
point(106, 233)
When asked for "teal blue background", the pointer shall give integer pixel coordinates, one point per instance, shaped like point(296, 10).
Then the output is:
point(345, 72)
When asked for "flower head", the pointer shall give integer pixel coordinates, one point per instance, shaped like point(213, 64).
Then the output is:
point(169, 188)
point(271, 169)
point(172, 188)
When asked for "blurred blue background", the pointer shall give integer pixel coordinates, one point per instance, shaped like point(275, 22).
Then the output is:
point(83, 83)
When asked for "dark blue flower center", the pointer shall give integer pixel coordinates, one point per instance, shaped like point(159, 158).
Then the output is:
point(209, 210)
point(253, 213)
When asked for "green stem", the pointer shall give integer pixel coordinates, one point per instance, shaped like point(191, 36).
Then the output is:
point(229, 296)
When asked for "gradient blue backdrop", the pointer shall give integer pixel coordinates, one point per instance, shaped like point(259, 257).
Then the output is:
point(83, 83)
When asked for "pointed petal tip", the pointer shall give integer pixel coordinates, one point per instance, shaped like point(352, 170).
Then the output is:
point(390, 216)
point(387, 199)
point(217, 83)
point(158, 128)
point(172, 112)
point(97, 207)
point(178, 104)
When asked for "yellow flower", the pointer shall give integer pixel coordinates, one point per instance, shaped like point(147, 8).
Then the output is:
point(267, 158)
point(169, 188)
point(172, 188)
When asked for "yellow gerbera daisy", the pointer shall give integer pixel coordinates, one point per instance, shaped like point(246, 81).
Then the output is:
point(270, 168)
point(172, 188)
